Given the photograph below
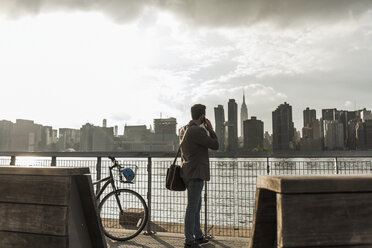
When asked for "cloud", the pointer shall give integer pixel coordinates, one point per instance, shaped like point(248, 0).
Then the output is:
point(282, 12)
point(256, 94)
point(206, 12)
point(166, 66)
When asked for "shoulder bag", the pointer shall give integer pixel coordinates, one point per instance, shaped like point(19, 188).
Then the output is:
point(174, 181)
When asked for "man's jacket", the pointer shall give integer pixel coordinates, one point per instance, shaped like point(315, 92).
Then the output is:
point(194, 151)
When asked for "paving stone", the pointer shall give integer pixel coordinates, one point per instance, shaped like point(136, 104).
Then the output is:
point(161, 240)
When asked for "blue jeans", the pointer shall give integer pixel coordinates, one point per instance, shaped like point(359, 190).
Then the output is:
point(192, 217)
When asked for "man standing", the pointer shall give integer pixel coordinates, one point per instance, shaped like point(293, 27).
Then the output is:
point(195, 169)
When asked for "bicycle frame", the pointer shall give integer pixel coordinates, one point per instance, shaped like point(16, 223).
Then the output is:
point(110, 180)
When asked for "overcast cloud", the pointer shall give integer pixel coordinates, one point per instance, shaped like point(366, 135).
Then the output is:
point(206, 12)
point(129, 61)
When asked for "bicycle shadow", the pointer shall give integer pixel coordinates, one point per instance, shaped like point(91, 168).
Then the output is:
point(114, 244)
point(167, 245)
point(161, 241)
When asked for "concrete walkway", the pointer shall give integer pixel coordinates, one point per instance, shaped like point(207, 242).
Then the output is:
point(169, 240)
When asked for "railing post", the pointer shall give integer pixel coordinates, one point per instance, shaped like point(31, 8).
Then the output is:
point(98, 173)
point(336, 170)
point(54, 161)
point(149, 192)
point(12, 160)
point(267, 166)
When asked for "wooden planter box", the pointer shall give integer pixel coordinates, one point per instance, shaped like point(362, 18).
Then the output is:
point(313, 211)
point(48, 208)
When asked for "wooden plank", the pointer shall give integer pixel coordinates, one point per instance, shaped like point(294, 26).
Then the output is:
point(264, 220)
point(77, 224)
point(89, 204)
point(279, 220)
point(45, 171)
point(318, 220)
point(316, 183)
point(22, 240)
point(27, 218)
point(51, 190)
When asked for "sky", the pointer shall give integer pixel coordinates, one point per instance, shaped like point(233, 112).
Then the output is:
point(66, 63)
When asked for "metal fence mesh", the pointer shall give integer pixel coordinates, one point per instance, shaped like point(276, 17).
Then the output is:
point(4, 161)
point(167, 206)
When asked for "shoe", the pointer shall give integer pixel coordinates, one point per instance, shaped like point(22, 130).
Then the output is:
point(202, 240)
point(193, 245)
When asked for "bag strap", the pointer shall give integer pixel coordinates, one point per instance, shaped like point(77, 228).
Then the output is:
point(179, 148)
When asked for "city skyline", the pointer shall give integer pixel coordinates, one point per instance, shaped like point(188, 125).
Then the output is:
point(148, 122)
point(65, 64)
point(315, 114)
point(334, 130)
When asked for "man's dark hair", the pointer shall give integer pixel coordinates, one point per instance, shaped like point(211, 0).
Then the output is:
point(197, 110)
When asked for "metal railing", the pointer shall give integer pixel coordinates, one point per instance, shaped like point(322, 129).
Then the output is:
point(228, 196)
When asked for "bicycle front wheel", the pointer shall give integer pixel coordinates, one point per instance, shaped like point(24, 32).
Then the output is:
point(128, 222)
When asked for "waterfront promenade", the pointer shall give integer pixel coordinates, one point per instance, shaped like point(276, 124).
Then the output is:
point(169, 240)
point(228, 199)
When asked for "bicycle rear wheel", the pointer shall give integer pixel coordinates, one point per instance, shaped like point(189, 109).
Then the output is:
point(130, 222)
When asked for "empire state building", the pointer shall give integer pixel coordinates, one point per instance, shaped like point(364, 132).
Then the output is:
point(243, 115)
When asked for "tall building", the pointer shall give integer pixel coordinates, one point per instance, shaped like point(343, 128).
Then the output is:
point(368, 133)
point(311, 129)
point(165, 134)
point(139, 138)
point(333, 135)
point(55, 136)
point(365, 115)
point(232, 129)
point(116, 131)
point(283, 128)
point(311, 132)
point(165, 129)
point(343, 117)
point(136, 138)
point(363, 131)
point(5, 135)
point(253, 134)
point(26, 136)
point(93, 138)
point(329, 114)
point(219, 116)
point(69, 139)
point(46, 139)
point(268, 141)
point(243, 116)
point(137, 133)
point(351, 140)
point(309, 117)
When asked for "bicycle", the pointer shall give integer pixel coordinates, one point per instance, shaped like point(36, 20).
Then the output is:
point(123, 212)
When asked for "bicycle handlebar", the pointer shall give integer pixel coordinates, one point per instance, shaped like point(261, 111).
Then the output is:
point(116, 164)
